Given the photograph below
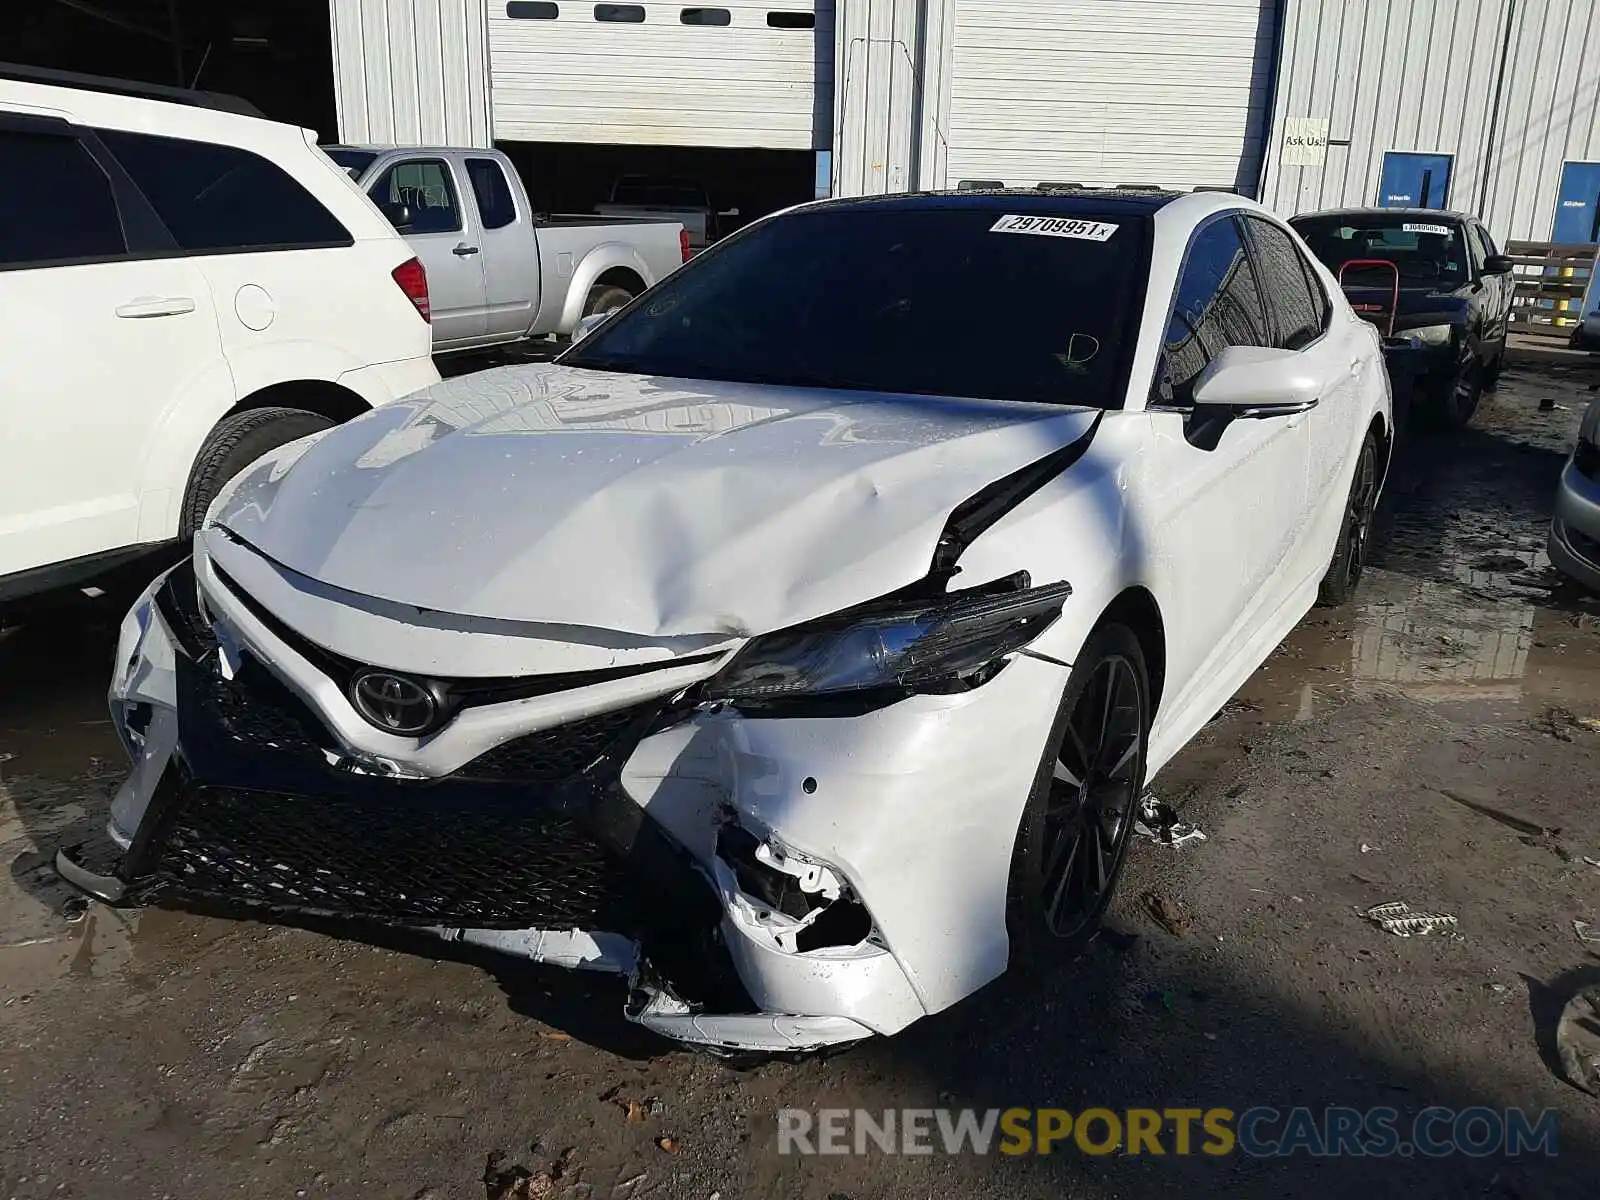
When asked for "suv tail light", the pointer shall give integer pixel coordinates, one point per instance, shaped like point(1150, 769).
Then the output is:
point(413, 281)
point(683, 244)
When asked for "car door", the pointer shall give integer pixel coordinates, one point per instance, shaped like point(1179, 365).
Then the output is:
point(1226, 495)
point(444, 233)
point(1301, 317)
point(510, 250)
point(1500, 287)
point(102, 328)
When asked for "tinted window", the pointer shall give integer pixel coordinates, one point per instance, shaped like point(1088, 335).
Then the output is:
point(792, 20)
point(1475, 248)
point(1218, 305)
point(424, 187)
point(633, 14)
point(1425, 250)
point(222, 198)
point(1488, 242)
point(355, 162)
point(1285, 287)
point(1319, 294)
point(532, 10)
point(56, 202)
point(927, 300)
point(705, 16)
point(495, 207)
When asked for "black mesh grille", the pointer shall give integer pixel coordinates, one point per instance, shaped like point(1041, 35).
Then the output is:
point(255, 710)
point(553, 754)
point(405, 857)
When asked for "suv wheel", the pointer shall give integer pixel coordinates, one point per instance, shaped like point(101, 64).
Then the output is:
point(234, 444)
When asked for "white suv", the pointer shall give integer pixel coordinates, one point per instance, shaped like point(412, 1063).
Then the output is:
point(183, 287)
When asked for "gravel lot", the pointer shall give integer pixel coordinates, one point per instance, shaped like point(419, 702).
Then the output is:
point(1438, 743)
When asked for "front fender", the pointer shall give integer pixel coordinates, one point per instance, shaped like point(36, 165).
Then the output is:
point(604, 257)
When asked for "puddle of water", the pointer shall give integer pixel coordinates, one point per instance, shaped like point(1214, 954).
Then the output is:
point(1462, 605)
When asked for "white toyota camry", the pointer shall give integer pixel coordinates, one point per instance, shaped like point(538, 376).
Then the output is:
point(798, 644)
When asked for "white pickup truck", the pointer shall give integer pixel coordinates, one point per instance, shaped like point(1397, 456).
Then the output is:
point(497, 273)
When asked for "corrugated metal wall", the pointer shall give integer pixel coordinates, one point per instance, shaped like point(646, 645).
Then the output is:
point(1422, 76)
point(1549, 113)
point(661, 82)
point(1170, 92)
point(411, 71)
point(893, 95)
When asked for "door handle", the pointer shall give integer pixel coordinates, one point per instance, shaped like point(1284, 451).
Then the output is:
point(155, 306)
point(464, 250)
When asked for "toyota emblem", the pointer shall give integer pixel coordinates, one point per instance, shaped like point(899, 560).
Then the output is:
point(394, 703)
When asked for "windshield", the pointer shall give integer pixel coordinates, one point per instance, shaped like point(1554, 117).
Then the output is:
point(353, 161)
point(1426, 251)
point(933, 301)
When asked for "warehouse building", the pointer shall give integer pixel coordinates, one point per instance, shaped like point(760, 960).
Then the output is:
point(1491, 106)
point(1486, 105)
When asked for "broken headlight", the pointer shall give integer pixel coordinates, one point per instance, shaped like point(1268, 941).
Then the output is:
point(908, 646)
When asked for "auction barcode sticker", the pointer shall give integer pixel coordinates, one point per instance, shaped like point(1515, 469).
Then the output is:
point(1066, 227)
point(1412, 227)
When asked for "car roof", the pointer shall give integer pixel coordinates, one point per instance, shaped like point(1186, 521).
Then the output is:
point(1434, 214)
point(1107, 201)
point(219, 101)
point(376, 149)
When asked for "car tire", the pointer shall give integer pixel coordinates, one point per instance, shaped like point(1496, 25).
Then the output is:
point(234, 444)
point(1491, 373)
point(1458, 400)
point(606, 298)
point(1059, 888)
point(1349, 563)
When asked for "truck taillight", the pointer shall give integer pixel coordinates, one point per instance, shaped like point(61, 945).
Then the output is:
point(413, 281)
point(683, 244)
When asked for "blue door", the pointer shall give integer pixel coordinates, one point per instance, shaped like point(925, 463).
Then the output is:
point(1414, 180)
point(1578, 208)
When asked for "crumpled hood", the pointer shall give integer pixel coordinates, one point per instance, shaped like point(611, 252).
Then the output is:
point(649, 506)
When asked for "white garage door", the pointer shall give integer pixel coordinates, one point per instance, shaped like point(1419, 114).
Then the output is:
point(738, 73)
point(1165, 92)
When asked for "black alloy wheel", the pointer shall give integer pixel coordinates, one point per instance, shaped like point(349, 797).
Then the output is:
point(1355, 532)
point(1079, 819)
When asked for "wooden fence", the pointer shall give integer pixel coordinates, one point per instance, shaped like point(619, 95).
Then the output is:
point(1551, 280)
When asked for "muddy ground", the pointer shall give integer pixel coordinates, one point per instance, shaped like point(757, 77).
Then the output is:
point(1428, 745)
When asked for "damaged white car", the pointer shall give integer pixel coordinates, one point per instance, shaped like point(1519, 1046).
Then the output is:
point(799, 643)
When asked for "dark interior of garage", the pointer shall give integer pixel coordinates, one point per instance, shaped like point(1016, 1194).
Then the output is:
point(274, 53)
point(573, 178)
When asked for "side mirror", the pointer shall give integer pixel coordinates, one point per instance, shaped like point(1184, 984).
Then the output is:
point(1257, 382)
point(399, 215)
point(588, 325)
point(1498, 264)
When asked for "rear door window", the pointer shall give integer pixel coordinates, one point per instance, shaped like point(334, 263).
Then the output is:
point(496, 208)
point(216, 199)
point(423, 185)
point(1218, 304)
point(56, 205)
point(1297, 318)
